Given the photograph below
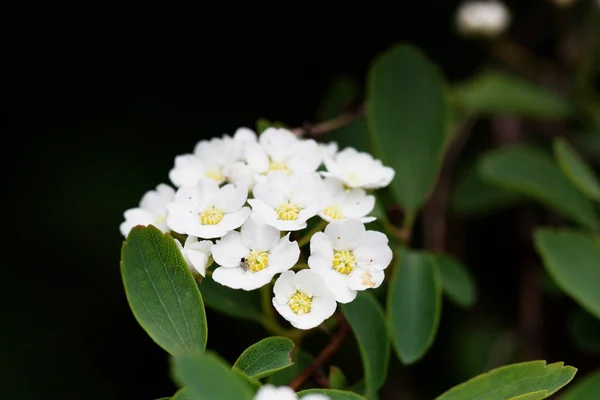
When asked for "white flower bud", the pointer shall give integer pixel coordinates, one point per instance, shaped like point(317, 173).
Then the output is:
point(482, 18)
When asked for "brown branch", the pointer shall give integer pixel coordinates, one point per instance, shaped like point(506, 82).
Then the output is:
point(434, 215)
point(325, 354)
point(314, 130)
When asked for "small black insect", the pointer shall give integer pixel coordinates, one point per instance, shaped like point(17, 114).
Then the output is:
point(244, 264)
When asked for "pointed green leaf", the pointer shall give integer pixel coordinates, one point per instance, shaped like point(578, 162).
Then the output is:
point(457, 282)
point(515, 381)
point(301, 360)
point(587, 388)
point(343, 92)
point(473, 196)
point(414, 304)
point(209, 377)
point(498, 93)
point(333, 394)
point(239, 304)
point(367, 320)
point(585, 331)
point(185, 394)
point(337, 379)
point(532, 173)
point(265, 357)
point(407, 114)
point(573, 261)
point(576, 169)
point(162, 292)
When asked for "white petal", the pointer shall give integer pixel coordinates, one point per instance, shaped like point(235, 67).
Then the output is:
point(335, 187)
point(234, 278)
point(263, 211)
point(321, 247)
point(357, 204)
point(257, 235)
point(230, 198)
point(240, 175)
point(284, 310)
point(306, 157)
point(255, 280)
point(155, 201)
point(338, 285)
point(245, 134)
point(374, 250)
point(198, 254)
point(256, 157)
point(229, 250)
point(233, 220)
point(284, 255)
point(134, 217)
point(322, 308)
point(187, 171)
point(284, 287)
point(278, 143)
point(366, 220)
point(189, 196)
point(310, 283)
point(362, 279)
point(272, 189)
point(270, 392)
point(345, 235)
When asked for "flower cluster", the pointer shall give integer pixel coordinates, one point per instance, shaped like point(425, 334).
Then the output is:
point(241, 199)
point(271, 392)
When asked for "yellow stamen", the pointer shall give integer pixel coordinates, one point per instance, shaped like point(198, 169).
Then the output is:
point(300, 303)
point(343, 261)
point(367, 280)
point(287, 212)
point(211, 216)
point(334, 212)
point(215, 175)
point(279, 166)
point(257, 260)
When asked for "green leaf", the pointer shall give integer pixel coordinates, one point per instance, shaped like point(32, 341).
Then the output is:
point(414, 304)
point(528, 380)
point(407, 113)
point(585, 331)
point(587, 388)
point(576, 169)
point(185, 394)
point(457, 282)
point(367, 320)
point(332, 393)
point(161, 291)
point(343, 92)
point(238, 304)
point(301, 360)
point(534, 174)
point(337, 379)
point(265, 357)
point(209, 377)
point(473, 196)
point(573, 261)
point(498, 93)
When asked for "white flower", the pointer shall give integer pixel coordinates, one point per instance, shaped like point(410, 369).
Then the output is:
point(209, 160)
point(345, 203)
point(486, 18)
point(279, 149)
point(287, 202)
point(303, 298)
point(358, 170)
point(271, 392)
point(250, 259)
point(241, 138)
point(240, 174)
point(349, 258)
point(206, 210)
point(329, 149)
point(152, 210)
point(195, 253)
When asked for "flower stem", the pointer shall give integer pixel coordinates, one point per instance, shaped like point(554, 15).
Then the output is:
point(304, 240)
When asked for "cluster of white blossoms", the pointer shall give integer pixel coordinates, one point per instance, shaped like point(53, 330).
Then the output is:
point(271, 392)
point(239, 199)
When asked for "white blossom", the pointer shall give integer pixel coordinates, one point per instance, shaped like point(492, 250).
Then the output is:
point(278, 149)
point(271, 392)
point(349, 258)
point(329, 149)
point(206, 210)
point(303, 298)
point(358, 169)
point(287, 202)
point(195, 253)
point(343, 203)
point(250, 258)
point(485, 18)
point(152, 210)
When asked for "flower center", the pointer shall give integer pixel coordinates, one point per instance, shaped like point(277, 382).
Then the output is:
point(215, 175)
point(287, 211)
point(257, 260)
point(343, 261)
point(211, 216)
point(279, 166)
point(367, 280)
point(334, 212)
point(300, 303)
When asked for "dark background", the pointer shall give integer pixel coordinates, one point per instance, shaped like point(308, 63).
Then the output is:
point(99, 100)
